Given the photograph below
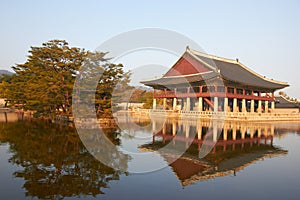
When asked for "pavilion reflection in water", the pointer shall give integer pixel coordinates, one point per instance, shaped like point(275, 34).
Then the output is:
point(234, 146)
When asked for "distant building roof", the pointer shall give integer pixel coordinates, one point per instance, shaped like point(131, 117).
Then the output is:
point(194, 66)
point(282, 102)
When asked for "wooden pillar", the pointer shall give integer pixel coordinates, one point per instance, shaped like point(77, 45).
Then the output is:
point(244, 105)
point(225, 104)
point(174, 103)
point(235, 105)
point(200, 104)
point(154, 104)
point(252, 106)
point(216, 104)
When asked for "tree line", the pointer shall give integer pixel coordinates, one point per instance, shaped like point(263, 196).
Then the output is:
point(44, 83)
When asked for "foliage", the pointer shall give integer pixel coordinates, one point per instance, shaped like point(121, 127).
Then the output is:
point(142, 96)
point(53, 161)
point(44, 83)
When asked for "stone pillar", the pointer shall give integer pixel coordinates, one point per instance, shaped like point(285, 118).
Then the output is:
point(153, 126)
point(251, 133)
point(244, 105)
point(235, 105)
point(234, 133)
point(225, 104)
point(243, 135)
point(188, 104)
point(165, 103)
point(273, 105)
point(224, 134)
point(174, 128)
point(259, 106)
point(187, 131)
point(216, 104)
point(164, 129)
point(174, 103)
point(199, 132)
point(154, 104)
point(215, 133)
point(259, 132)
point(266, 106)
point(252, 106)
point(200, 104)
point(182, 106)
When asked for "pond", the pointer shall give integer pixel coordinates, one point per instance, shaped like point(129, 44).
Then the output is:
point(158, 159)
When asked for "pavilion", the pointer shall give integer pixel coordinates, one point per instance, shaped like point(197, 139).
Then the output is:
point(203, 82)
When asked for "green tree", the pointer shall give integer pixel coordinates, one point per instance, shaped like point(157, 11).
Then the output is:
point(45, 82)
point(46, 79)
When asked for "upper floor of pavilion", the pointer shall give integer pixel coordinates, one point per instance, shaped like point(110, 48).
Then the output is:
point(195, 69)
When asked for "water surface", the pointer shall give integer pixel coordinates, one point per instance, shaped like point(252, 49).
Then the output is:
point(245, 161)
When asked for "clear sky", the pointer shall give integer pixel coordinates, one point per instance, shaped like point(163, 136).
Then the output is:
point(264, 35)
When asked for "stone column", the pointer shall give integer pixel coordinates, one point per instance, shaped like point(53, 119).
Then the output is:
point(244, 105)
point(165, 103)
point(259, 132)
point(259, 106)
point(216, 104)
point(235, 105)
point(199, 132)
point(200, 104)
point(243, 134)
point(164, 129)
point(153, 126)
point(154, 104)
point(273, 105)
point(234, 133)
point(252, 106)
point(174, 103)
point(174, 128)
point(251, 133)
point(187, 131)
point(225, 104)
point(215, 133)
point(266, 106)
point(188, 104)
point(225, 134)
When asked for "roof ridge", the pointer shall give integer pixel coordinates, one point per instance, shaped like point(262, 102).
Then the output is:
point(189, 51)
point(187, 75)
point(213, 56)
point(238, 63)
point(288, 99)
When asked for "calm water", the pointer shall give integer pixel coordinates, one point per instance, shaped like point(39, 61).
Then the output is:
point(243, 161)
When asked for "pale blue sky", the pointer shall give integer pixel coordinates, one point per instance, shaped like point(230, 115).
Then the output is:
point(264, 35)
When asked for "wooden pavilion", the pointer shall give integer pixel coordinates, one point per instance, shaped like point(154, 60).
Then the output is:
point(203, 82)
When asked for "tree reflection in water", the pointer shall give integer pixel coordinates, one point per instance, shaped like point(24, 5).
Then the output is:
point(55, 162)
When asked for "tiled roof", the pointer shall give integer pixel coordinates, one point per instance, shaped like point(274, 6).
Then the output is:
point(228, 69)
point(282, 102)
